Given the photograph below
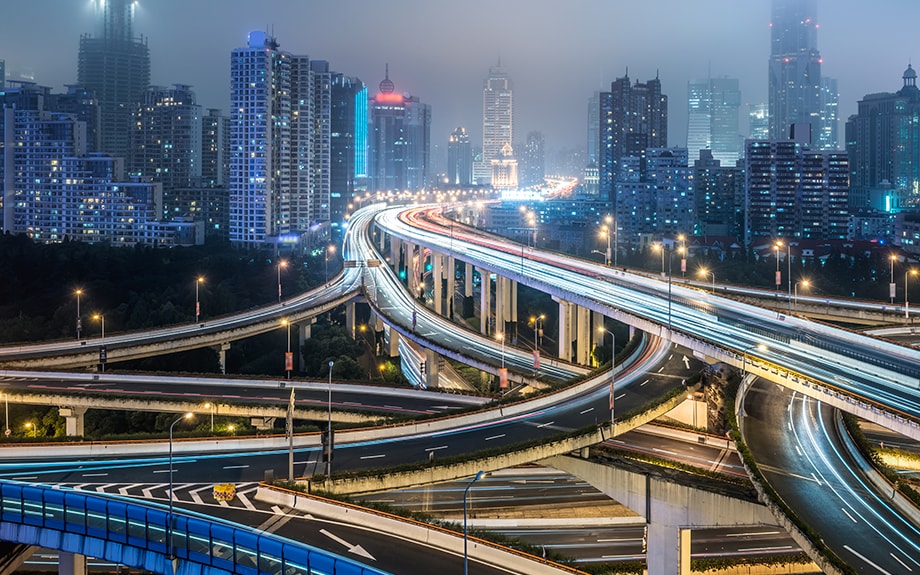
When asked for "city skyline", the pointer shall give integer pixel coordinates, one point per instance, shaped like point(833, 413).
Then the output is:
point(558, 57)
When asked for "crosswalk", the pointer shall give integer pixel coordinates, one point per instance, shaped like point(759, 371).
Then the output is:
point(196, 493)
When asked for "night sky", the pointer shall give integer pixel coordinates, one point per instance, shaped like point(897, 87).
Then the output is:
point(557, 52)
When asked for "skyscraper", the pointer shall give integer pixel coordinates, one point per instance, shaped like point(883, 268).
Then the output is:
point(115, 65)
point(533, 160)
point(348, 144)
point(883, 140)
point(633, 118)
point(399, 139)
point(826, 136)
point(260, 141)
point(795, 67)
point(497, 120)
point(459, 158)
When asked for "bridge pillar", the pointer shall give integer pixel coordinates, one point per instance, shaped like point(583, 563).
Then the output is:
point(451, 272)
point(485, 301)
point(583, 338)
point(501, 301)
point(566, 331)
point(513, 308)
point(73, 420)
point(432, 360)
point(395, 253)
point(350, 318)
point(304, 332)
point(468, 307)
point(222, 356)
point(668, 549)
point(392, 342)
point(437, 275)
point(381, 239)
point(71, 563)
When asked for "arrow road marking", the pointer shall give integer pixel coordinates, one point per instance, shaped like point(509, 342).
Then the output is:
point(686, 362)
point(356, 549)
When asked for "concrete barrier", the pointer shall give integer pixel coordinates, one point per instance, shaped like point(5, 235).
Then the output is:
point(448, 541)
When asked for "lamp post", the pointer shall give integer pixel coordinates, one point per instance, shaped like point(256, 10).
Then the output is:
point(6, 410)
point(659, 247)
point(30, 427)
point(288, 356)
point(329, 248)
point(281, 264)
point(212, 407)
point(795, 292)
point(705, 272)
point(198, 281)
point(502, 372)
point(613, 367)
point(102, 353)
point(779, 279)
point(606, 231)
point(169, 522)
point(682, 250)
point(78, 293)
point(466, 491)
point(536, 348)
point(328, 447)
point(908, 273)
point(789, 275)
point(891, 285)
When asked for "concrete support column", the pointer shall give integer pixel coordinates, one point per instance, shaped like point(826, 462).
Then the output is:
point(597, 336)
point(350, 318)
point(467, 280)
point(222, 356)
point(304, 331)
point(683, 552)
point(431, 369)
point(381, 239)
point(71, 563)
point(395, 254)
point(513, 309)
point(663, 554)
point(583, 337)
point(437, 273)
point(485, 302)
point(501, 305)
point(566, 318)
point(392, 343)
point(73, 420)
point(451, 272)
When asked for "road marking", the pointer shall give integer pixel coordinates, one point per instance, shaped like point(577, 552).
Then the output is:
point(660, 369)
point(435, 448)
point(895, 557)
point(850, 516)
point(586, 411)
point(236, 467)
point(621, 396)
point(495, 437)
point(197, 498)
point(374, 456)
point(245, 501)
point(643, 383)
point(545, 424)
point(625, 539)
point(95, 474)
point(851, 550)
point(752, 534)
point(124, 490)
point(356, 549)
point(756, 549)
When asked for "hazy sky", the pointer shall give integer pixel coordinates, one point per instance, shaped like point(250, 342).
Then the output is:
point(557, 52)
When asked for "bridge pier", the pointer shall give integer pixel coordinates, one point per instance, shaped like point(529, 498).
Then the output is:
point(392, 343)
point(222, 356)
point(566, 329)
point(584, 339)
point(431, 376)
point(73, 420)
point(485, 301)
point(467, 290)
point(71, 563)
point(451, 286)
point(350, 318)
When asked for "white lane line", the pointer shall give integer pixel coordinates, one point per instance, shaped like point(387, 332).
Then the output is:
point(245, 501)
point(850, 549)
point(26, 478)
point(545, 424)
point(660, 369)
point(435, 448)
point(643, 383)
point(124, 490)
point(759, 549)
point(848, 515)
point(586, 411)
point(495, 437)
point(621, 396)
point(95, 474)
point(752, 534)
point(896, 558)
point(194, 494)
point(815, 477)
point(374, 456)
point(236, 467)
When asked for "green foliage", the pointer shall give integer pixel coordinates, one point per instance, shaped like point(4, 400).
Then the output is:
point(868, 450)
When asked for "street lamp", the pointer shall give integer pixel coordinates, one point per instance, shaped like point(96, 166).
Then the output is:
point(891, 286)
point(908, 273)
point(6, 409)
point(682, 250)
point(169, 522)
point(536, 320)
point(78, 293)
point(102, 354)
point(779, 279)
point(281, 264)
point(659, 247)
point(759, 346)
point(329, 248)
point(705, 272)
point(198, 281)
point(328, 446)
point(795, 291)
point(288, 356)
point(30, 427)
point(212, 407)
point(502, 372)
point(613, 367)
point(466, 491)
point(605, 230)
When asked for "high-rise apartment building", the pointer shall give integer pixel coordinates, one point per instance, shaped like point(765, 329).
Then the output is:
point(53, 190)
point(719, 192)
point(594, 126)
point(759, 121)
point(828, 127)
point(795, 67)
point(81, 103)
point(215, 149)
point(459, 158)
point(497, 121)
point(348, 144)
point(712, 118)
point(883, 140)
point(166, 139)
point(400, 127)
point(633, 118)
point(532, 164)
point(115, 66)
point(794, 191)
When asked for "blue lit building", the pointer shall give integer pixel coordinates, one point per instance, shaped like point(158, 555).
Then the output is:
point(399, 138)
point(348, 139)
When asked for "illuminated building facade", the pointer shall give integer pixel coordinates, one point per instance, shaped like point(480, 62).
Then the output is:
point(459, 158)
point(712, 118)
point(795, 67)
point(348, 136)
point(497, 121)
point(400, 128)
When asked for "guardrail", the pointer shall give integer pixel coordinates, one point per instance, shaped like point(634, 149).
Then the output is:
point(120, 530)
